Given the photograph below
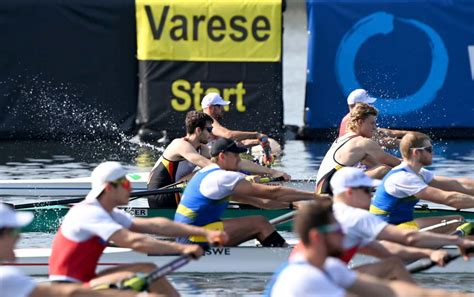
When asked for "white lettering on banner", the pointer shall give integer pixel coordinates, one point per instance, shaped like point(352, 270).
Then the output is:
point(470, 50)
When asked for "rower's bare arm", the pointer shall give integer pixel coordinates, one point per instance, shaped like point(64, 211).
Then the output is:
point(367, 285)
point(277, 193)
point(421, 239)
point(385, 249)
point(146, 244)
point(189, 153)
point(77, 290)
point(166, 227)
point(462, 185)
point(260, 202)
point(373, 149)
point(254, 168)
point(220, 131)
point(393, 132)
point(450, 198)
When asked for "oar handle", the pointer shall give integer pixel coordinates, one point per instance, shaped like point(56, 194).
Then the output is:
point(140, 282)
point(426, 263)
point(265, 180)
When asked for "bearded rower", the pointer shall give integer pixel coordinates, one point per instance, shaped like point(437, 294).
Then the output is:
point(406, 184)
point(180, 158)
point(183, 155)
point(356, 149)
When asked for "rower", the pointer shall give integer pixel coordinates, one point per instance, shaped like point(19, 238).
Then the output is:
point(367, 234)
point(210, 190)
point(388, 138)
point(90, 225)
point(356, 149)
point(13, 283)
point(213, 105)
point(317, 273)
point(405, 184)
point(182, 156)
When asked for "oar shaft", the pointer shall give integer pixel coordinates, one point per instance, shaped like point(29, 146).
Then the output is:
point(283, 218)
point(167, 268)
point(48, 203)
point(76, 200)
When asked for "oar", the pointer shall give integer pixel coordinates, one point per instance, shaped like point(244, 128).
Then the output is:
point(139, 283)
point(76, 200)
point(426, 263)
point(264, 180)
point(283, 218)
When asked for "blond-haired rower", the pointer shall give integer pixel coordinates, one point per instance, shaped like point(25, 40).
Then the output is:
point(409, 182)
point(356, 149)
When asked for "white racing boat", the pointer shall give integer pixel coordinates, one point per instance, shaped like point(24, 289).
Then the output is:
point(61, 187)
point(246, 259)
point(216, 260)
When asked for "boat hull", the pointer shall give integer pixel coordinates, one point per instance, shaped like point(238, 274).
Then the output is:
point(247, 259)
point(216, 260)
point(48, 218)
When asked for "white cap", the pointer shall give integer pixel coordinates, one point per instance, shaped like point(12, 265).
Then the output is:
point(11, 219)
point(104, 173)
point(359, 95)
point(213, 99)
point(351, 177)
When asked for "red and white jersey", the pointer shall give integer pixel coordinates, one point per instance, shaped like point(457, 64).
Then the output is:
point(82, 238)
point(360, 228)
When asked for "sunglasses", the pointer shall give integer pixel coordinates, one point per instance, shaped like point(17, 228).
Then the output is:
point(428, 149)
point(209, 129)
point(330, 228)
point(124, 182)
point(367, 190)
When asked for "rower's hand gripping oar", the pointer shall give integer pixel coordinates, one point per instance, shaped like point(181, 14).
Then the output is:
point(140, 282)
point(426, 263)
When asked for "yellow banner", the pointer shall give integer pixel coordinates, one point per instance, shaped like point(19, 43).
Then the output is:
point(209, 30)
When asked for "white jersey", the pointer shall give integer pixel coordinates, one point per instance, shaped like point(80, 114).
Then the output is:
point(404, 184)
point(360, 227)
point(89, 219)
point(299, 279)
point(219, 184)
point(14, 283)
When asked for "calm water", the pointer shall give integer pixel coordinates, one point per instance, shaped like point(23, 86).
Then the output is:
point(23, 159)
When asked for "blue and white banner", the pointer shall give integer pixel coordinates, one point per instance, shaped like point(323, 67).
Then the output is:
point(416, 57)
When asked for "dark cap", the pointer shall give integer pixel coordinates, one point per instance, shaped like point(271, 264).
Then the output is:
point(226, 145)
